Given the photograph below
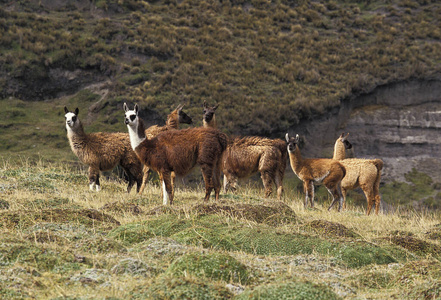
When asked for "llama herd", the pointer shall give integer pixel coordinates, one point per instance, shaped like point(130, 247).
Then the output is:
point(171, 151)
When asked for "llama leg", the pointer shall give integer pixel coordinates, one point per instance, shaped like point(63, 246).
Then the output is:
point(336, 196)
point(279, 185)
point(216, 179)
point(343, 193)
point(167, 189)
point(207, 173)
point(377, 192)
point(131, 179)
point(94, 174)
point(267, 183)
point(377, 204)
point(308, 186)
point(370, 197)
point(145, 176)
point(173, 176)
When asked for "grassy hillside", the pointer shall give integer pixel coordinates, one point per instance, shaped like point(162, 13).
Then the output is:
point(269, 63)
point(61, 241)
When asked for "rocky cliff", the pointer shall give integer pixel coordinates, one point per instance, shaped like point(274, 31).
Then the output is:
point(398, 122)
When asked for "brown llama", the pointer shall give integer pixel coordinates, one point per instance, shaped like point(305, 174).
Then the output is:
point(178, 151)
point(364, 173)
point(102, 151)
point(176, 117)
point(209, 118)
point(328, 172)
point(248, 155)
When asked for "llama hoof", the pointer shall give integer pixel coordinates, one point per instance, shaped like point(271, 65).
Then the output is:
point(92, 186)
point(98, 188)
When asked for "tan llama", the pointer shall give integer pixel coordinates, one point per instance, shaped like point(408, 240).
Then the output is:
point(102, 151)
point(178, 151)
point(328, 172)
point(364, 173)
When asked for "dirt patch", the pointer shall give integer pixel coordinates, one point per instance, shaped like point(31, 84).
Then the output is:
point(435, 233)
point(274, 213)
point(122, 208)
point(83, 216)
point(327, 228)
point(416, 245)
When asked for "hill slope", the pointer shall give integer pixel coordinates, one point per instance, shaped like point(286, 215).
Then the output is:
point(269, 63)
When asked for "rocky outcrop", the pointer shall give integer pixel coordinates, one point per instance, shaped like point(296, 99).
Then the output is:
point(398, 123)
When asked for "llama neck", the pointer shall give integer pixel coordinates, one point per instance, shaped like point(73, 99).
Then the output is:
point(211, 124)
point(295, 158)
point(173, 120)
point(339, 150)
point(76, 135)
point(136, 133)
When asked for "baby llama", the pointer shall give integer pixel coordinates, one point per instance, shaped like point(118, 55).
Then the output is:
point(328, 172)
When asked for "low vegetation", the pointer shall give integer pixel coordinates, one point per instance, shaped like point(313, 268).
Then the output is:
point(269, 63)
point(60, 240)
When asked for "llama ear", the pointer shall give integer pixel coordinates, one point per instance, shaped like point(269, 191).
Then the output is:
point(297, 138)
point(180, 107)
point(205, 104)
point(216, 106)
point(287, 137)
point(76, 111)
point(136, 109)
point(125, 107)
point(66, 110)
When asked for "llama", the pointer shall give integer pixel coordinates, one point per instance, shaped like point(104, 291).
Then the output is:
point(173, 120)
point(209, 119)
point(178, 151)
point(364, 173)
point(328, 172)
point(248, 155)
point(102, 151)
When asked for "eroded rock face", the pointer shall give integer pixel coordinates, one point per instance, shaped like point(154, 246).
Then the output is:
point(398, 123)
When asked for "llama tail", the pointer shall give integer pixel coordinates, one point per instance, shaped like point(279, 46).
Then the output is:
point(378, 163)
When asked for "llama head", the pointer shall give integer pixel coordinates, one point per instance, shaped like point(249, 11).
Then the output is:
point(183, 117)
point(71, 118)
point(292, 142)
point(209, 112)
point(344, 139)
point(131, 116)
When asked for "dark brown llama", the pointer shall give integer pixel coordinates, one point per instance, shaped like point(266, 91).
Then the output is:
point(178, 151)
point(176, 117)
point(102, 151)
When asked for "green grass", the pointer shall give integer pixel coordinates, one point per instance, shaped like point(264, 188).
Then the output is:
point(62, 234)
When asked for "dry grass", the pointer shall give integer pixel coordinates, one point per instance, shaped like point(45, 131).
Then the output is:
point(91, 256)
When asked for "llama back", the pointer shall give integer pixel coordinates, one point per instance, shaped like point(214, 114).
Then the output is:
point(196, 145)
point(110, 147)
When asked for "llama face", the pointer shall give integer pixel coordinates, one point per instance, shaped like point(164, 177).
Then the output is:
point(184, 118)
point(130, 115)
point(344, 140)
point(292, 142)
point(71, 117)
point(209, 112)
